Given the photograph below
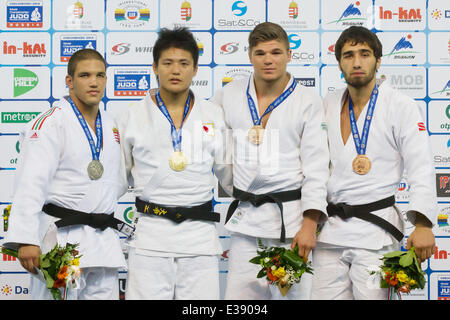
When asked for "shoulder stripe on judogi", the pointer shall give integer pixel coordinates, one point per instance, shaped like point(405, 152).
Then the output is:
point(38, 124)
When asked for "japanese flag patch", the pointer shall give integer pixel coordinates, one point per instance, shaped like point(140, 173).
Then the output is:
point(208, 128)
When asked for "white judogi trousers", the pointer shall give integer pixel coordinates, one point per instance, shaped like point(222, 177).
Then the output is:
point(242, 283)
point(96, 283)
point(169, 278)
point(342, 273)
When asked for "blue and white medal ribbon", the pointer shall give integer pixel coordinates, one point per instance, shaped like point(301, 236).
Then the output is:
point(256, 133)
point(361, 164)
point(177, 160)
point(95, 168)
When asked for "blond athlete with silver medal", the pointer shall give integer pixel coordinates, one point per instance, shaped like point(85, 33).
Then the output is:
point(171, 142)
point(375, 137)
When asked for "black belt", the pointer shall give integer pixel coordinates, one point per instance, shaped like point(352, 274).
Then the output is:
point(179, 214)
point(70, 217)
point(363, 211)
point(260, 199)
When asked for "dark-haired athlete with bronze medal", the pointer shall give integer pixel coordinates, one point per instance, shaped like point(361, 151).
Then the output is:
point(95, 167)
point(178, 160)
point(361, 164)
point(256, 133)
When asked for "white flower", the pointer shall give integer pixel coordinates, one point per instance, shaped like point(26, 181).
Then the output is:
point(266, 259)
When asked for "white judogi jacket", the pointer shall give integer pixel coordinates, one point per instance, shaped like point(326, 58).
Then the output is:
point(146, 147)
point(293, 154)
point(396, 143)
point(52, 168)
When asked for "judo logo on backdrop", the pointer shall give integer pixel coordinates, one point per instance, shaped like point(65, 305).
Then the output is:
point(27, 50)
point(186, 11)
point(131, 83)
point(24, 81)
point(229, 48)
point(71, 44)
point(232, 74)
point(402, 14)
point(351, 16)
point(124, 48)
point(132, 13)
point(402, 50)
point(24, 14)
point(443, 286)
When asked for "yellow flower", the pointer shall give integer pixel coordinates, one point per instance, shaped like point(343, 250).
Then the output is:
point(76, 262)
point(279, 273)
point(402, 277)
point(412, 282)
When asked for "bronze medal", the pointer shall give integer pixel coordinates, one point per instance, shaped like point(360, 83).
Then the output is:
point(178, 161)
point(255, 134)
point(361, 164)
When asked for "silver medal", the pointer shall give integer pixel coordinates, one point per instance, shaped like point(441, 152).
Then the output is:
point(95, 169)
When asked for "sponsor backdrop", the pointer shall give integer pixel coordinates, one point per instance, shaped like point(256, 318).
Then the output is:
point(37, 37)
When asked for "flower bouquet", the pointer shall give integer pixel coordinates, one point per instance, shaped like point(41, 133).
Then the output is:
point(60, 268)
point(281, 267)
point(400, 272)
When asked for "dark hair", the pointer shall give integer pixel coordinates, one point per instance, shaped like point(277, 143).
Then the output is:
point(180, 38)
point(267, 31)
point(356, 35)
point(83, 54)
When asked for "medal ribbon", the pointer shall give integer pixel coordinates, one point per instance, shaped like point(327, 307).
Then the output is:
point(272, 106)
point(176, 136)
point(361, 143)
point(95, 149)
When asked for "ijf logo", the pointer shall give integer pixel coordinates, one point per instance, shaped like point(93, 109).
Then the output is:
point(402, 49)
point(237, 73)
point(351, 16)
point(186, 11)
point(442, 224)
point(24, 14)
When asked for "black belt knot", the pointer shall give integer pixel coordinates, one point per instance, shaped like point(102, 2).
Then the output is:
point(363, 212)
point(259, 199)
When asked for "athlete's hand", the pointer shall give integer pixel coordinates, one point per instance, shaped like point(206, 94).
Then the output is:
point(29, 257)
point(422, 238)
point(306, 236)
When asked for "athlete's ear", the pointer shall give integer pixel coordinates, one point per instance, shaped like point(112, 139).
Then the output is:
point(69, 81)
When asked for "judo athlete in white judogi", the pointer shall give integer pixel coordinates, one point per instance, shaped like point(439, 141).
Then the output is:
point(171, 142)
point(53, 176)
point(375, 134)
point(280, 165)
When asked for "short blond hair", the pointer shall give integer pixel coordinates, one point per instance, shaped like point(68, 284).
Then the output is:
point(267, 31)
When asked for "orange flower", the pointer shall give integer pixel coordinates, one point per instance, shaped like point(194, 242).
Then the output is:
point(62, 274)
point(405, 288)
point(59, 283)
point(391, 280)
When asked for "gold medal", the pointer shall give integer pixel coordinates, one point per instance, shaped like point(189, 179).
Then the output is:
point(178, 161)
point(255, 134)
point(361, 164)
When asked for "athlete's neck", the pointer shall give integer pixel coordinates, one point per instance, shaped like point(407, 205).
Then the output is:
point(271, 88)
point(361, 95)
point(174, 100)
point(89, 112)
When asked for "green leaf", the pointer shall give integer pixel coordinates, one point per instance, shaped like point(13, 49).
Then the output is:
point(255, 260)
point(394, 254)
point(293, 259)
point(407, 259)
point(261, 273)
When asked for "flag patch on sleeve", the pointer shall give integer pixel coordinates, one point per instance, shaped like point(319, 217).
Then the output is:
point(208, 128)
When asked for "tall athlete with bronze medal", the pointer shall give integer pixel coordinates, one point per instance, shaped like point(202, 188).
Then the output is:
point(363, 221)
